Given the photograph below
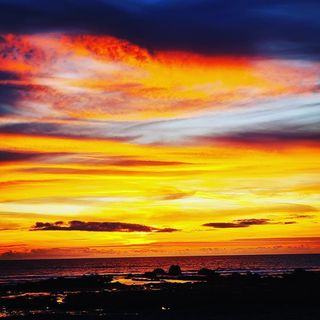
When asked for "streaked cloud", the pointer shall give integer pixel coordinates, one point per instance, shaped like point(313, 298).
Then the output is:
point(76, 225)
point(243, 223)
point(9, 156)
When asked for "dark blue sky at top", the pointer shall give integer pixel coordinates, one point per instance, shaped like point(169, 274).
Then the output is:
point(267, 27)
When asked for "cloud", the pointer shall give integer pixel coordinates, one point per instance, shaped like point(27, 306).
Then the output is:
point(43, 157)
point(76, 225)
point(304, 216)
point(243, 223)
point(278, 121)
point(85, 129)
point(92, 171)
point(176, 194)
point(287, 28)
point(167, 230)
point(301, 208)
point(55, 253)
point(10, 156)
point(275, 121)
point(96, 86)
point(259, 138)
point(9, 94)
point(138, 163)
point(282, 245)
point(6, 75)
point(4, 226)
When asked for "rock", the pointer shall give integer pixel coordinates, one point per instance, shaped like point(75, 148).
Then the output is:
point(207, 272)
point(175, 270)
point(159, 271)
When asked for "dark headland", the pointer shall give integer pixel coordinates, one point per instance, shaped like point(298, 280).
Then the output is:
point(170, 294)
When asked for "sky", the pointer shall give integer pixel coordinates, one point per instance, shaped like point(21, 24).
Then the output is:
point(153, 128)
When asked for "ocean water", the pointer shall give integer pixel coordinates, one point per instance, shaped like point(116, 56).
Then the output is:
point(28, 270)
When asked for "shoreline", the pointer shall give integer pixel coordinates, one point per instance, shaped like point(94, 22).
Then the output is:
point(5, 279)
point(162, 293)
point(169, 256)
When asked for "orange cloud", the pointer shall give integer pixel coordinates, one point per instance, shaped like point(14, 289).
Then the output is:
point(101, 77)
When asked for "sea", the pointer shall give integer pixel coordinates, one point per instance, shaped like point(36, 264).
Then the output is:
point(12, 271)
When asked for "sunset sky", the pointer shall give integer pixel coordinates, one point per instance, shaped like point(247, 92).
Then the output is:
point(150, 128)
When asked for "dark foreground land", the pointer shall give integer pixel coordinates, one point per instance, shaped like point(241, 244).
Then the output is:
point(161, 295)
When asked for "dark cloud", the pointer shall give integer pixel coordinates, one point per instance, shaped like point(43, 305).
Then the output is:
point(29, 128)
point(5, 75)
point(273, 136)
point(167, 230)
point(9, 94)
point(53, 253)
point(13, 156)
point(9, 156)
point(304, 216)
point(285, 28)
point(243, 223)
point(11, 255)
point(83, 131)
point(12, 93)
point(97, 227)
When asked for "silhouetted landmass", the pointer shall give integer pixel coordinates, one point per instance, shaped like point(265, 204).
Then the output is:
point(206, 295)
point(175, 270)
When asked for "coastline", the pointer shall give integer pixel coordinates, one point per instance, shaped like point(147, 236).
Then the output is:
point(36, 270)
point(161, 294)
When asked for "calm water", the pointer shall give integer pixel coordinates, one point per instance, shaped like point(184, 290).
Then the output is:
point(264, 264)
